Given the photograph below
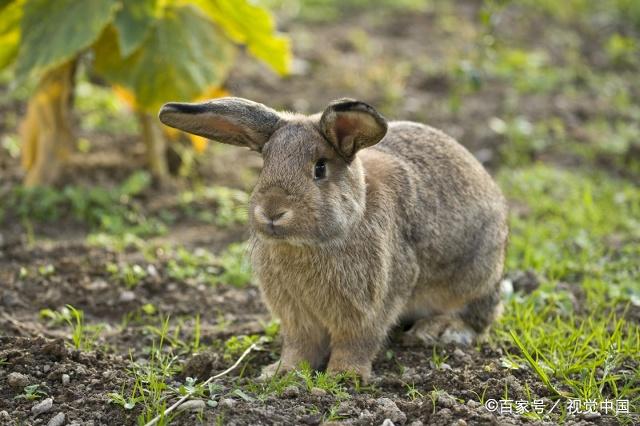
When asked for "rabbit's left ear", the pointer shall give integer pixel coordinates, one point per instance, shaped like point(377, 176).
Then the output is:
point(234, 121)
point(351, 125)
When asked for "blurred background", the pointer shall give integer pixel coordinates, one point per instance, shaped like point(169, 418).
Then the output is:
point(545, 93)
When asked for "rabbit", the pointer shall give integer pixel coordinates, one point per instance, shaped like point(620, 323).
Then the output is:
point(359, 224)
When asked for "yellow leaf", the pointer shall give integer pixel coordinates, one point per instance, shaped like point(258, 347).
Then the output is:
point(212, 92)
point(125, 95)
point(199, 143)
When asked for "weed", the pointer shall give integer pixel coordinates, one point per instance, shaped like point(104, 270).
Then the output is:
point(413, 393)
point(46, 270)
point(235, 345)
point(128, 275)
point(31, 392)
point(83, 336)
point(235, 267)
point(438, 356)
point(230, 205)
point(112, 215)
point(196, 334)
point(150, 378)
point(118, 398)
point(332, 414)
point(59, 317)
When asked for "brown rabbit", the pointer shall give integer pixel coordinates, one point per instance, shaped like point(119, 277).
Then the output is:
point(359, 224)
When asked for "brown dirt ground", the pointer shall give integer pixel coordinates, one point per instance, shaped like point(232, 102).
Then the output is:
point(331, 66)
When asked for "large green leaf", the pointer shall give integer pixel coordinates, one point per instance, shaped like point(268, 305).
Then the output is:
point(181, 57)
point(11, 11)
point(252, 25)
point(5, 3)
point(54, 31)
point(133, 22)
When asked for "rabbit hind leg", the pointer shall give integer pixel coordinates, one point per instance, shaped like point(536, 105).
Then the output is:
point(463, 327)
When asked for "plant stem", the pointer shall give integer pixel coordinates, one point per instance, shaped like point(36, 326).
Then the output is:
point(46, 131)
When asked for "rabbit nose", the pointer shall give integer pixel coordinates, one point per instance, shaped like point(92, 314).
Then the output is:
point(278, 217)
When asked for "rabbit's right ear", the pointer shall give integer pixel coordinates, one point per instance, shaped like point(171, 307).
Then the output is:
point(234, 121)
point(351, 125)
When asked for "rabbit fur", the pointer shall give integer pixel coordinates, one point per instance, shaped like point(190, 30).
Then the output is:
point(359, 224)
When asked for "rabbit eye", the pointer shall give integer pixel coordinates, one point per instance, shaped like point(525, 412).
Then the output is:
point(320, 169)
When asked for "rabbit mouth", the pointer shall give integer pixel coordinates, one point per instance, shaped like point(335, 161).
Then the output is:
point(269, 230)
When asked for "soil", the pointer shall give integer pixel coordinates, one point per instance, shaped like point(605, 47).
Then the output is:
point(329, 65)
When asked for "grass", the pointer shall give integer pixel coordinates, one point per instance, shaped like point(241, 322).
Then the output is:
point(231, 205)
point(202, 266)
point(579, 231)
point(306, 379)
point(129, 275)
point(83, 336)
point(149, 380)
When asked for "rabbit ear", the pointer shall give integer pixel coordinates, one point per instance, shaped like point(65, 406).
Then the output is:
point(234, 121)
point(351, 125)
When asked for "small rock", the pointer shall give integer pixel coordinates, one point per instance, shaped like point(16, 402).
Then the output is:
point(17, 380)
point(460, 422)
point(445, 366)
point(387, 422)
point(506, 287)
point(42, 407)
point(318, 392)
point(97, 285)
point(416, 423)
point(291, 392)
point(46, 368)
point(473, 404)
point(591, 415)
point(193, 405)
point(127, 296)
point(65, 379)
point(57, 420)
point(445, 413)
point(445, 400)
point(345, 408)
point(152, 271)
point(311, 419)
point(227, 402)
point(390, 410)
point(460, 354)
point(408, 375)
point(366, 416)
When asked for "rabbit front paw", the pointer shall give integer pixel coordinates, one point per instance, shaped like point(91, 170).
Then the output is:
point(272, 370)
point(361, 370)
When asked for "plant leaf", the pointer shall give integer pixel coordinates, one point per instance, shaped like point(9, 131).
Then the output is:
point(133, 22)
point(11, 11)
point(53, 32)
point(246, 23)
point(182, 56)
